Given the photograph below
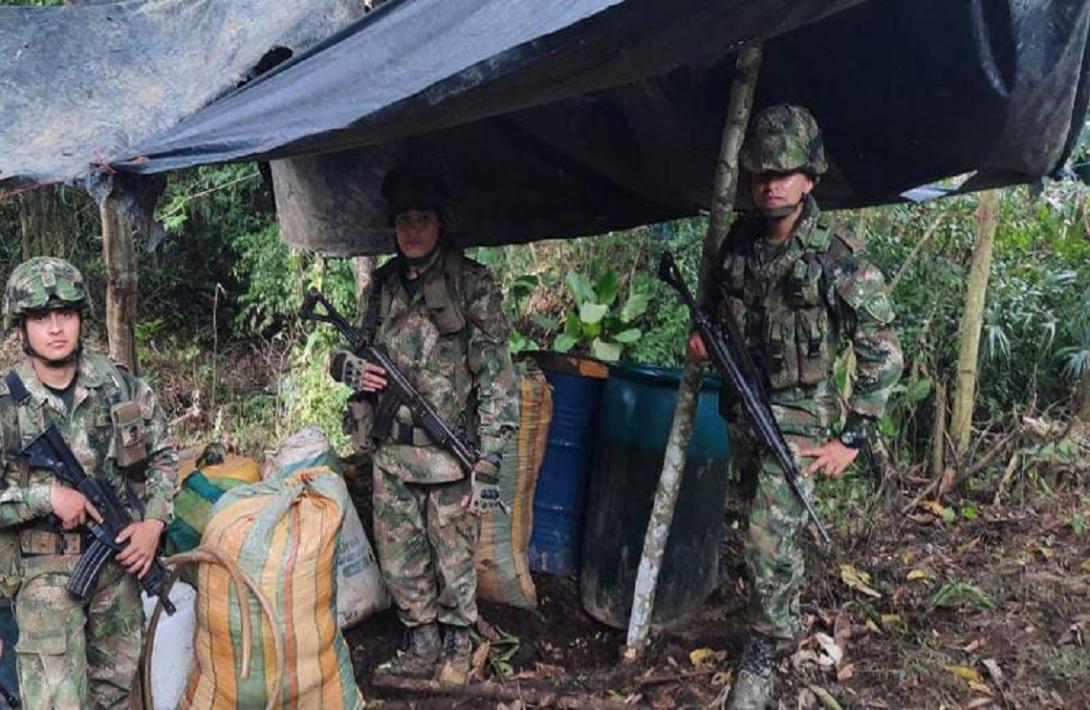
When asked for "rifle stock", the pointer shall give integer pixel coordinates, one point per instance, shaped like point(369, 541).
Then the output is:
point(49, 450)
point(732, 360)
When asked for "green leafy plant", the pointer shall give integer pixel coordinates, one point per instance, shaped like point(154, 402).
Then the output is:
point(597, 323)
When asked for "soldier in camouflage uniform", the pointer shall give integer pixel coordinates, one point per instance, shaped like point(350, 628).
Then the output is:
point(440, 317)
point(797, 289)
point(72, 654)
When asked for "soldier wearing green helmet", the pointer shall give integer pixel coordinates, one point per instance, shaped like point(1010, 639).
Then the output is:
point(73, 654)
point(799, 289)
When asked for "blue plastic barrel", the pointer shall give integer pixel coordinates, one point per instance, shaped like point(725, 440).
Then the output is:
point(9, 634)
point(560, 495)
point(634, 422)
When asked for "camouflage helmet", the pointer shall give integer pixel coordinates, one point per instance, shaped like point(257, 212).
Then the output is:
point(404, 189)
point(42, 283)
point(782, 139)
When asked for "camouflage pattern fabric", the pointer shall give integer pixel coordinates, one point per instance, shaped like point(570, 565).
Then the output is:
point(796, 302)
point(425, 544)
point(103, 626)
point(420, 331)
point(774, 560)
point(447, 331)
point(73, 655)
point(782, 139)
point(40, 283)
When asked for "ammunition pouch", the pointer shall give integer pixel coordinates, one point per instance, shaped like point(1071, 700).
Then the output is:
point(36, 541)
point(130, 440)
point(359, 421)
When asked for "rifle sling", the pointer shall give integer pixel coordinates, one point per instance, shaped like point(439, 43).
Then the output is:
point(19, 392)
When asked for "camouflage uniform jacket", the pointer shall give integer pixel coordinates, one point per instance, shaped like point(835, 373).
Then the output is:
point(795, 301)
point(449, 335)
point(89, 432)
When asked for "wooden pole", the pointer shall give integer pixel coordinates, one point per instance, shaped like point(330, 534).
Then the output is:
point(972, 319)
point(722, 211)
point(122, 293)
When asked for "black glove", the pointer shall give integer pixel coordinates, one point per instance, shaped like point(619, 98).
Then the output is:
point(485, 488)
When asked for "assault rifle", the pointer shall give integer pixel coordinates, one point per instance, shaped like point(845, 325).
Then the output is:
point(733, 361)
point(399, 390)
point(49, 450)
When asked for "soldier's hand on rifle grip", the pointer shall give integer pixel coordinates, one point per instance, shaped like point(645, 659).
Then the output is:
point(696, 347)
point(374, 378)
point(143, 539)
point(71, 506)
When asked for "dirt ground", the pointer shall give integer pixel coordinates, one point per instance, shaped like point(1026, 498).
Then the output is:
point(905, 611)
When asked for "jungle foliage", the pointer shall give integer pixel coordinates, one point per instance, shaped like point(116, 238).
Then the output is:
point(224, 281)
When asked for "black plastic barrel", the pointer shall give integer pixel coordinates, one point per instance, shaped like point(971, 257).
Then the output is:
point(634, 421)
point(560, 495)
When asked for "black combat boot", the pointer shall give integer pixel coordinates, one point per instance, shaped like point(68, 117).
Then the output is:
point(753, 684)
point(456, 657)
point(419, 657)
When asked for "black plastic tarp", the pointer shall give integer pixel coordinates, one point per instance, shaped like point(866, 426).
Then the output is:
point(570, 117)
point(85, 83)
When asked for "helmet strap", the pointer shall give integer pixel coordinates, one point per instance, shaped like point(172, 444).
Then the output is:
point(780, 212)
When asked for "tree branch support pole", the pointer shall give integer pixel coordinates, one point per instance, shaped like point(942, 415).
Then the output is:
point(122, 292)
point(662, 514)
point(972, 319)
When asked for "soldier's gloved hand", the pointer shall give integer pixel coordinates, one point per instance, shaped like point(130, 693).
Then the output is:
point(484, 496)
point(356, 372)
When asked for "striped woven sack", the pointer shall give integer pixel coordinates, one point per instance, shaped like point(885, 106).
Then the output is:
point(283, 534)
point(503, 575)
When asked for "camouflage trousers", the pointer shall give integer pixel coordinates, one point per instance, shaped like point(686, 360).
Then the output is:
point(425, 544)
point(73, 655)
point(773, 555)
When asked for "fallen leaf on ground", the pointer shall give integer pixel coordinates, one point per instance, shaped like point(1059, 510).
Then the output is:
point(973, 645)
point(859, 581)
point(982, 689)
point(965, 672)
point(819, 650)
point(842, 628)
point(891, 619)
point(934, 507)
point(1085, 566)
point(480, 657)
point(920, 574)
point(978, 703)
point(846, 672)
point(827, 701)
point(722, 678)
point(993, 670)
point(701, 656)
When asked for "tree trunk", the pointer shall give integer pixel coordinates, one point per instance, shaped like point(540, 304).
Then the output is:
point(1084, 396)
point(122, 293)
point(662, 513)
point(363, 267)
point(938, 432)
point(972, 319)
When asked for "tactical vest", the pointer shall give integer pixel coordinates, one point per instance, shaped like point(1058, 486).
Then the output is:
point(444, 296)
point(783, 306)
point(116, 432)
